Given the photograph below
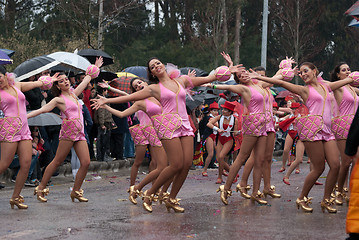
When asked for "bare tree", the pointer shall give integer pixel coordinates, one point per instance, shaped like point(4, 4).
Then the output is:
point(237, 32)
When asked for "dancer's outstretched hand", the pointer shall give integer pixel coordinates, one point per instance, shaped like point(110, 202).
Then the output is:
point(290, 59)
point(227, 58)
point(191, 73)
point(103, 84)
point(237, 69)
point(55, 77)
point(98, 102)
point(99, 61)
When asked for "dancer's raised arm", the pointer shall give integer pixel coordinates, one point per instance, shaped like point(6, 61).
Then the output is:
point(104, 84)
point(276, 80)
point(27, 86)
point(83, 85)
point(121, 114)
point(46, 108)
point(140, 95)
point(340, 83)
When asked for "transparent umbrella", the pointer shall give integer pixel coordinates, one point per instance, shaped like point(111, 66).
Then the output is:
point(71, 59)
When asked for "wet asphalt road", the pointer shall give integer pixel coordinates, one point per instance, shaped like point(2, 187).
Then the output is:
point(109, 215)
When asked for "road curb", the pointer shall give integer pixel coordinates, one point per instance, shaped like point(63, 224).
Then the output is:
point(94, 168)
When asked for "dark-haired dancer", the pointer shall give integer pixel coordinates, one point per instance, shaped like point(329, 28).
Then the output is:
point(15, 133)
point(143, 135)
point(319, 142)
point(172, 126)
point(347, 100)
point(71, 134)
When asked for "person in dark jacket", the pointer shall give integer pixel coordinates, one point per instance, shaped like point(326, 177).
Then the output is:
point(117, 135)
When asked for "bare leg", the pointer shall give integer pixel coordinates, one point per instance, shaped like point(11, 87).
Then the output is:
point(187, 148)
point(175, 159)
point(158, 155)
point(287, 145)
point(315, 151)
point(259, 151)
point(7, 155)
point(61, 153)
point(222, 151)
point(332, 157)
point(246, 172)
point(140, 154)
point(82, 152)
point(267, 165)
point(210, 145)
point(298, 158)
point(345, 164)
point(249, 142)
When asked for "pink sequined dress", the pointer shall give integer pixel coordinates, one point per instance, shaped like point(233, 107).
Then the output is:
point(319, 105)
point(173, 122)
point(347, 109)
point(14, 126)
point(254, 123)
point(72, 127)
point(269, 111)
point(144, 133)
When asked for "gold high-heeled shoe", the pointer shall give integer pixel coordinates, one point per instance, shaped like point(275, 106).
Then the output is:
point(147, 206)
point(163, 197)
point(133, 194)
point(224, 194)
point(304, 204)
point(339, 198)
point(271, 192)
point(326, 204)
point(174, 204)
point(243, 191)
point(19, 202)
point(78, 195)
point(41, 194)
point(258, 198)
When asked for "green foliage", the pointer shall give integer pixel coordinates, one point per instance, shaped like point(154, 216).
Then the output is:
point(189, 33)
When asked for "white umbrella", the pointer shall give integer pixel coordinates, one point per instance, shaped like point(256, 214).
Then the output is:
point(71, 59)
point(45, 119)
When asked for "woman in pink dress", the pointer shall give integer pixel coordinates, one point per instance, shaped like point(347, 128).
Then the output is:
point(143, 135)
point(15, 135)
point(347, 100)
point(71, 133)
point(172, 126)
point(319, 141)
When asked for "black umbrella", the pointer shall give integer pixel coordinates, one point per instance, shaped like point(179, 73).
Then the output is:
point(34, 66)
point(193, 103)
point(199, 72)
point(105, 75)
point(92, 54)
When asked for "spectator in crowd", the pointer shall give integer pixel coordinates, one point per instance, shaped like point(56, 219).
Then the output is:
point(105, 125)
point(117, 135)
